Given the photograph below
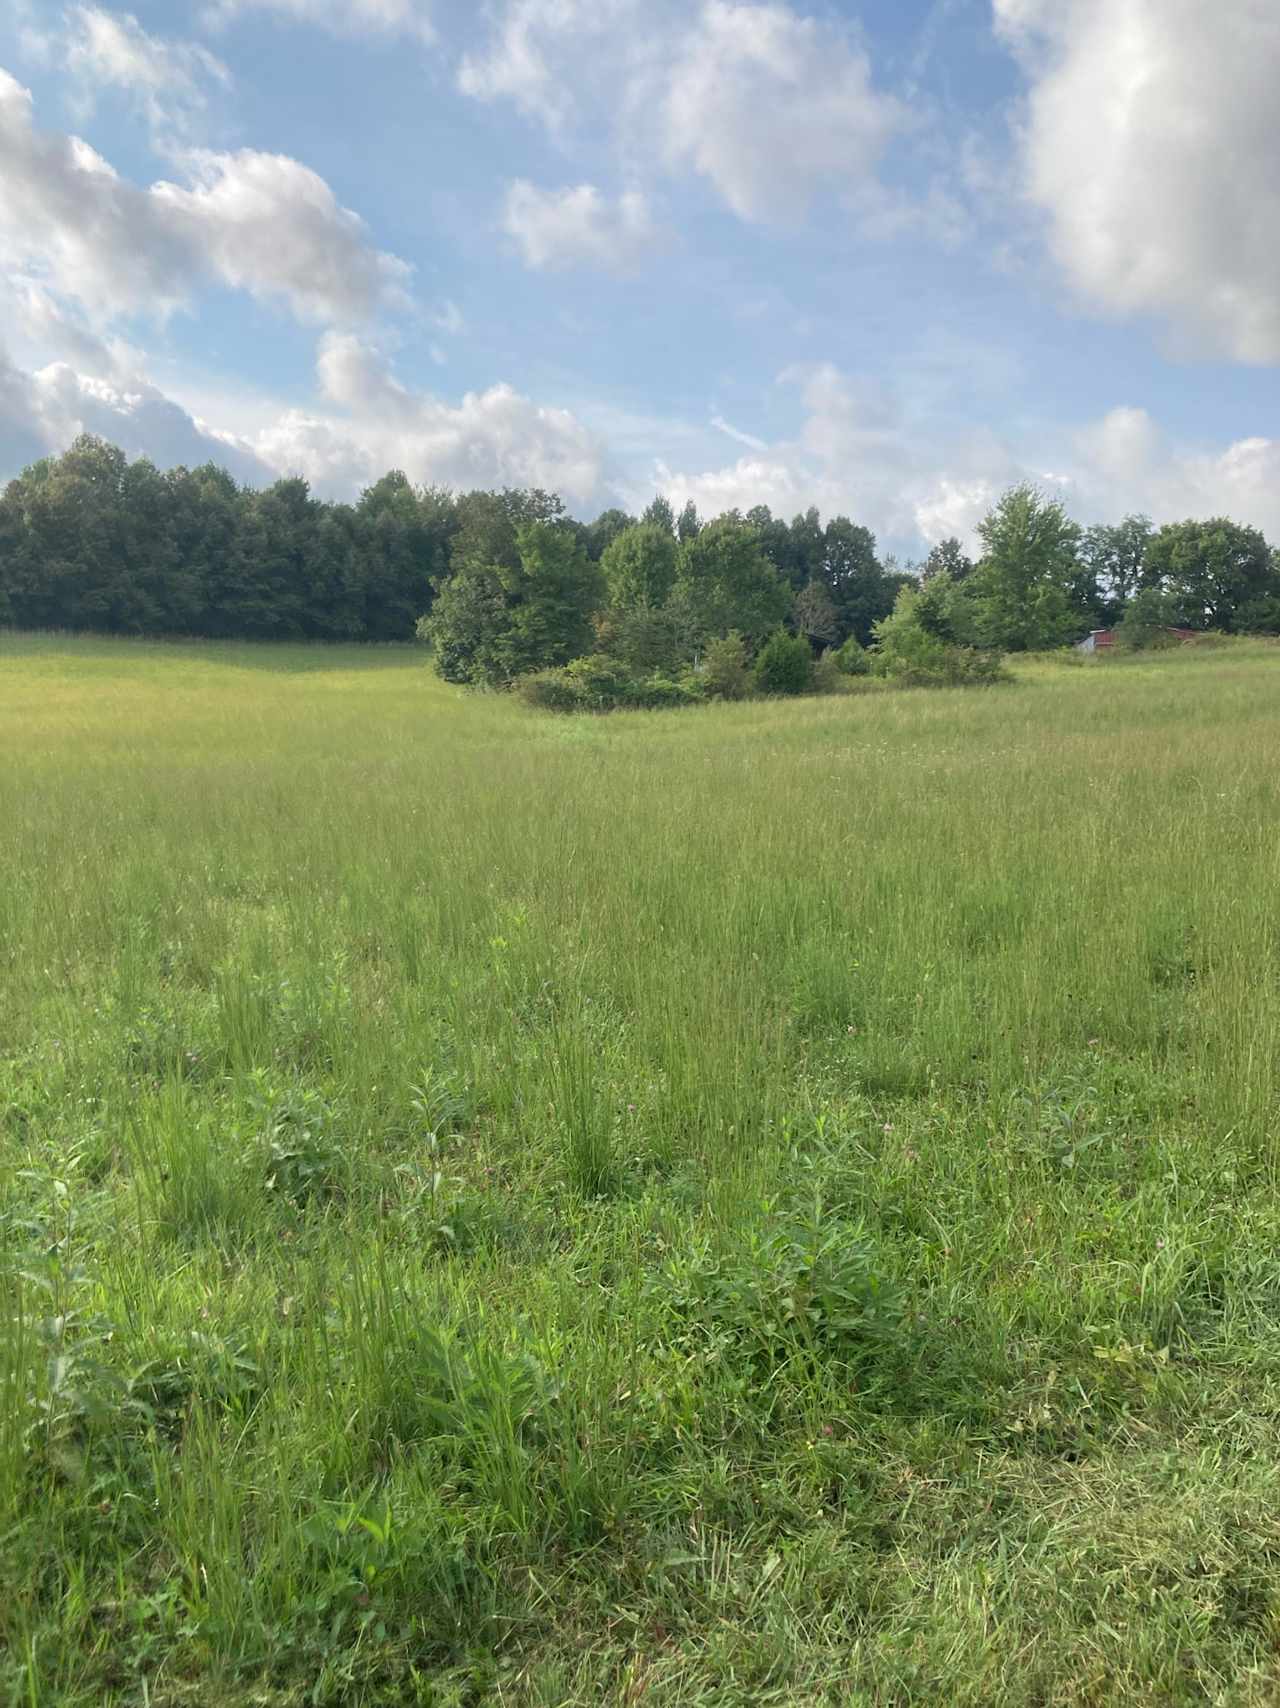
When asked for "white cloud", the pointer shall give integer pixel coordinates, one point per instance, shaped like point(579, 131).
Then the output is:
point(99, 49)
point(536, 47)
point(266, 224)
point(732, 432)
point(579, 227)
point(1150, 141)
point(495, 437)
point(368, 422)
point(767, 105)
point(770, 106)
point(41, 412)
point(862, 452)
point(258, 222)
point(340, 17)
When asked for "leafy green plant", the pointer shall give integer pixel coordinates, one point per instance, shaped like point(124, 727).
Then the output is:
point(784, 665)
point(795, 1284)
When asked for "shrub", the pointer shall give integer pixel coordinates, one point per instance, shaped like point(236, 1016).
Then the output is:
point(549, 691)
point(784, 665)
point(828, 678)
point(725, 673)
point(601, 684)
point(852, 658)
point(912, 654)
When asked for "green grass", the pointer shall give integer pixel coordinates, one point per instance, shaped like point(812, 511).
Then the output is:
point(763, 1204)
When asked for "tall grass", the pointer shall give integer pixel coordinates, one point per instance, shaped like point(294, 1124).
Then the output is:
point(772, 1203)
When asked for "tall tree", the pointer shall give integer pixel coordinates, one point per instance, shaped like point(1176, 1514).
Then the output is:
point(1025, 591)
point(1115, 556)
point(659, 514)
point(725, 582)
point(687, 523)
point(640, 567)
point(1214, 575)
point(948, 558)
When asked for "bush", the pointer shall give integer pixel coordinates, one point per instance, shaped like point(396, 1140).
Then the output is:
point(851, 658)
point(911, 654)
point(725, 673)
point(784, 665)
point(549, 691)
point(598, 683)
point(828, 678)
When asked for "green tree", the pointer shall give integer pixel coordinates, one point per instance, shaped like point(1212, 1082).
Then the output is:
point(687, 523)
point(1211, 573)
point(724, 581)
point(659, 514)
point(1026, 589)
point(599, 535)
point(814, 614)
point(860, 589)
point(640, 567)
point(1115, 556)
point(947, 558)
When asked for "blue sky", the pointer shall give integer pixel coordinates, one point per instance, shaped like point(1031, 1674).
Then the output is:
point(884, 258)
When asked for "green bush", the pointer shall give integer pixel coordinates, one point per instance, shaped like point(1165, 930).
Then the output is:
point(784, 665)
point(913, 655)
point(725, 673)
point(549, 691)
point(828, 678)
point(601, 684)
point(852, 658)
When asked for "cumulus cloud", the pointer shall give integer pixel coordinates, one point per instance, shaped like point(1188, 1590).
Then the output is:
point(861, 451)
point(495, 437)
point(263, 223)
point(340, 17)
point(535, 46)
point(367, 422)
point(770, 106)
point(41, 412)
point(766, 105)
point(1150, 141)
point(99, 49)
point(579, 226)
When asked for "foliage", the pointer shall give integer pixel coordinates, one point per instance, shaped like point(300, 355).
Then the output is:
point(1029, 591)
point(600, 684)
point(1146, 622)
point(1116, 558)
point(852, 658)
point(725, 582)
point(1214, 575)
point(640, 567)
point(784, 665)
point(495, 621)
point(814, 615)
point(726, 672)
point(911, 650)
point(947, 558)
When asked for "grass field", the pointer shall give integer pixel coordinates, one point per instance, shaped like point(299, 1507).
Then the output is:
point(763, 1204)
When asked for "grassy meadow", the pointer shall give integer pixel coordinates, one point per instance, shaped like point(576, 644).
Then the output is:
point(764, 1204)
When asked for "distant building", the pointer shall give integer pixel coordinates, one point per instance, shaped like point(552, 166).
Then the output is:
point(1099, 640)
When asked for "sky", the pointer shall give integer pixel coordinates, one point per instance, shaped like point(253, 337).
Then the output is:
point(886, 258)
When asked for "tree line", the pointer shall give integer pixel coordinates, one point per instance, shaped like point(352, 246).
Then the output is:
point(505, 584)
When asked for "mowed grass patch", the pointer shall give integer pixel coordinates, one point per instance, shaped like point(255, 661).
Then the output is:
point(770, 1203)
